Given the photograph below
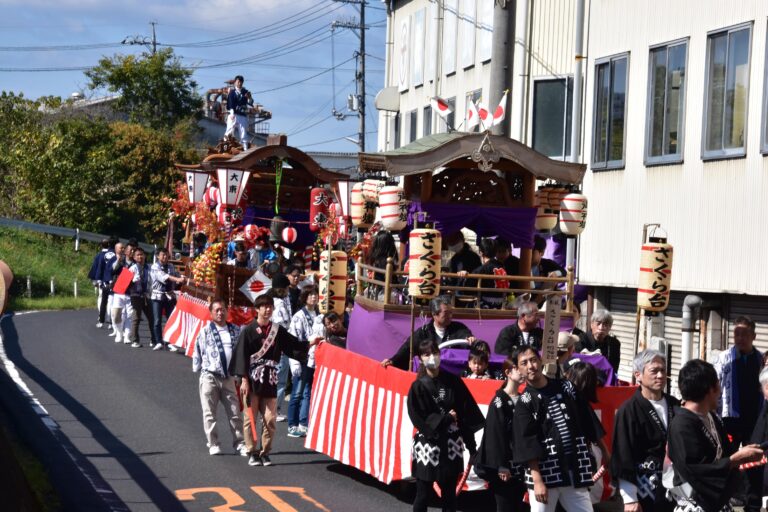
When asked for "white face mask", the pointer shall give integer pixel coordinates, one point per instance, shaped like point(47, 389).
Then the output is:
point(456, 247)
point(432, 361)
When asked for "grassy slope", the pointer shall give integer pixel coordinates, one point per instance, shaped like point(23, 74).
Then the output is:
point(41, 257)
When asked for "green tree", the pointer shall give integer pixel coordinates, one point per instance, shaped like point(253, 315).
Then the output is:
point(155, 89)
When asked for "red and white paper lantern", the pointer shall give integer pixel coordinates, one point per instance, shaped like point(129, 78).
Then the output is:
point(212, 197)
point(250, 232)
point(289, 235)
point(393, 210)
point(573, 214)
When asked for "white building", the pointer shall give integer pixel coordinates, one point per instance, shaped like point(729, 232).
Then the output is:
point(674, 131)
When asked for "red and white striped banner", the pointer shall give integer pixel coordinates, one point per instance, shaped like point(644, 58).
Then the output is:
point(359, 415)
point(184, 324)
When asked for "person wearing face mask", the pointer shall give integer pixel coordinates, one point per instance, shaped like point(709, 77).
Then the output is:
point(446, 418)
point(599, 338)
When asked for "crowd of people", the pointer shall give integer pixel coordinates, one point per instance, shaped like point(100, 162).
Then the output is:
point(541, 435)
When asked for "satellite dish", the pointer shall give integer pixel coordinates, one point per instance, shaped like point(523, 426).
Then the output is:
point(388, 99)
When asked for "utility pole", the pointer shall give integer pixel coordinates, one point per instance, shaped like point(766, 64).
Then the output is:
point(360, 67)
point(144, 40)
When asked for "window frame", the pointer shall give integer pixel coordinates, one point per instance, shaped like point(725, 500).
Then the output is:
point(426, 120)
point(723, 154)
point(764, 122)
point(679, 157)
point(569, 83)
point(609, 165)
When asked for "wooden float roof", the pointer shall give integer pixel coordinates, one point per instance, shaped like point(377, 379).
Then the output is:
point(456, 149)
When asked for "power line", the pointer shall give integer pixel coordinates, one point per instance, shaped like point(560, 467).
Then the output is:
point(331, 140)
point(310, 117)
point(307, 79)
point(57, 48)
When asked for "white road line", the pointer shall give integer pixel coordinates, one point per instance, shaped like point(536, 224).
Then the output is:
point(106, 492)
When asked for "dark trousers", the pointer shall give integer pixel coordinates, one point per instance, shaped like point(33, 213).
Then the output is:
point(142, 305)
point(740, 433)
point(508, 495)
point(161, 307)
point(104, 299)
point(447, 489)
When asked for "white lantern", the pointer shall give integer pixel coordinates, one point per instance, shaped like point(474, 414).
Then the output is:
point(371, 189)
point(654, 286)
point(393, 210)
point(232, 184)
point(362, 211)
point(573, 214)
point(333, 291)
point(424, 246)
point(546, 220)
point(196, 183)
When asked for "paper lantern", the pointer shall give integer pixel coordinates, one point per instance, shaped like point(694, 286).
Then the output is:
point(232, 184)
point(319, 202)
point(333, 297)
point(276, 228)
point(371, 189)
point(289, 235)
point(223, 214)
point(654, 286)
point(545, 218)
point(393, 209)
point(212, 197)
point(196, 183)
point(556, 195)
point(308, 252)
point(424, 269)
point(573, 214)
point(363, 212)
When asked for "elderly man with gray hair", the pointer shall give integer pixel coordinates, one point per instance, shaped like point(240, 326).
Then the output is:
point(598, 337)
point(640, 436)
point(441, 328)
point(524, 332)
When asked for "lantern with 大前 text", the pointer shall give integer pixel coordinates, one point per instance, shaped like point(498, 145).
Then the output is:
point(424, 263)
point(654, 286)
point(196, 183)
point(573, 214)
point(319, 202)
point(333, 290)
point(392, 207)
point(232, 184)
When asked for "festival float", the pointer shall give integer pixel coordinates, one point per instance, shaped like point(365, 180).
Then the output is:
point(420, 193)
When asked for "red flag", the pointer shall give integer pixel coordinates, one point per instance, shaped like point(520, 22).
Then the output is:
point(440, 106)
point(123, 281)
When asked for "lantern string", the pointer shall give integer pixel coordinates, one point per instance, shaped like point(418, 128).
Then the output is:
point(278, 179)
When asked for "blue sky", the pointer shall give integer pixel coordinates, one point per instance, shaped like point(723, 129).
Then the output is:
point(249, 28)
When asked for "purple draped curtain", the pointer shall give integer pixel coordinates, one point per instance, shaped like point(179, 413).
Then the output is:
point(513, 224)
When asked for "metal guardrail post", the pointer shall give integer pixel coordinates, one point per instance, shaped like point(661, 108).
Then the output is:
point(77, 239)
point(29, 287)
point(74, 288)
point(53, 287)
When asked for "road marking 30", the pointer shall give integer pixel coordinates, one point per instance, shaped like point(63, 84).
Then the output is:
point(267, 493)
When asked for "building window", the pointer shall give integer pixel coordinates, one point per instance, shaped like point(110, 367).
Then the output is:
point(666, 103)
point(727, 92)
point(471, 96)
point(412, 126)
point(552, 108)
point(426, 121)
point(610, 113)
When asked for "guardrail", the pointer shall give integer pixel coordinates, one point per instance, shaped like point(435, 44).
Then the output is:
point(74, 233)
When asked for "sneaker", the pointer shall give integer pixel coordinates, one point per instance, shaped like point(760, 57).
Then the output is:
point(118, 339)
point(254, 460)
point(158, 346)
point(280, 418)
point(303, 430)
point(126, 336)
point(214, 450)
point(294, 432)
point(112, 334)
point(135, 344)
point(99, 325)
point(265, 460)
point(173, 348)
point(242, 450)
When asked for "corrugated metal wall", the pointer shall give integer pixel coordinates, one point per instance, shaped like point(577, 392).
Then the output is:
point(698, 203)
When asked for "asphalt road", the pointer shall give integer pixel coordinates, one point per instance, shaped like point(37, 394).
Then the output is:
point(132, 420)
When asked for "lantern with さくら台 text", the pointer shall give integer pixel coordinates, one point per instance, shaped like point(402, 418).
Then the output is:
point(654, 286)
point(319, 202)
point(393, 208)
point(332, 282)
point(424, 246)
point(573, 214)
